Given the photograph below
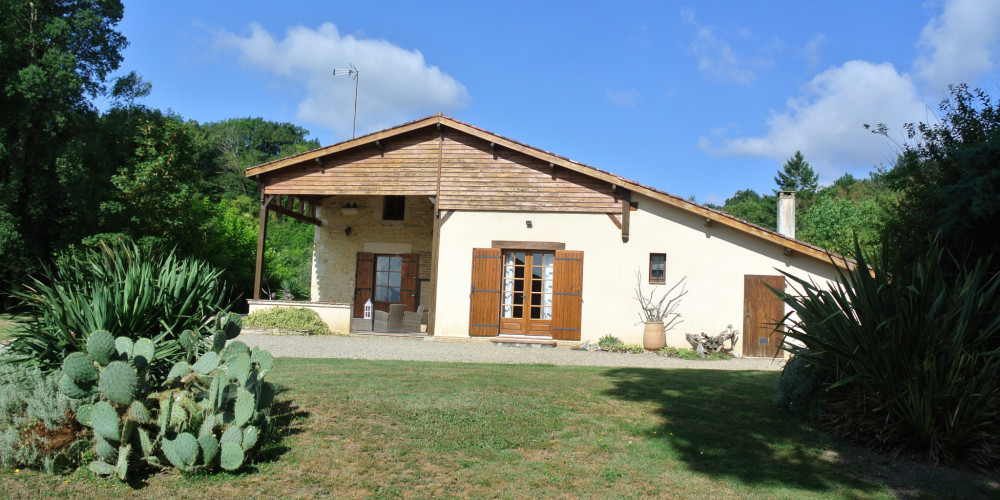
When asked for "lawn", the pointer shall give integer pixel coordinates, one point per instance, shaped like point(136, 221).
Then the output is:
point(381, 429)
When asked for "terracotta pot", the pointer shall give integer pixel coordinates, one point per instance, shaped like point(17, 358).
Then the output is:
point(653, 337)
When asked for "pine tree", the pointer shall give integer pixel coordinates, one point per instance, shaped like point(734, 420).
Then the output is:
point(797, 175)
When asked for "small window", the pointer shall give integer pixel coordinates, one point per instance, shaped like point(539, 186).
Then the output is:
point(657, 268)
point(393, 207)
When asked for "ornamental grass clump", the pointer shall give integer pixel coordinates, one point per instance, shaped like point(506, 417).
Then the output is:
point(120, 288)
point(906, 358)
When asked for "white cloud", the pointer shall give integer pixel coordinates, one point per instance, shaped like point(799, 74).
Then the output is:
point(623, 98)
point(826, 121)
point(958, 46)
point(395, 84)
point(811, 51)
point(716, 57)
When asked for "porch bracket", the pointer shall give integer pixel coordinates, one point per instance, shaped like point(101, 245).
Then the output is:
point(626, 199)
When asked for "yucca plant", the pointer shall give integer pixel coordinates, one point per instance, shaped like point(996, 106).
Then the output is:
point(122, 289)
point(907, 358)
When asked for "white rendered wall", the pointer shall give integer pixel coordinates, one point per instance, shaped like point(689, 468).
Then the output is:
point(714, 258)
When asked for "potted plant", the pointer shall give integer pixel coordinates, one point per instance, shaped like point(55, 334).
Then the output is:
point(658, 314)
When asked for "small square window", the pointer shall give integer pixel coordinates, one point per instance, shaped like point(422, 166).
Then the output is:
point(657, 268)
point(393, 207)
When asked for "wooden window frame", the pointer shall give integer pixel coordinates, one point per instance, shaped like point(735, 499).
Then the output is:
point(657, 281)
point(389, 208)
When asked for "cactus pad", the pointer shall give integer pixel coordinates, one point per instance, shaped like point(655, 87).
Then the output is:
point(209, 448)
point(83, 414)
point(144, 348)
point(234, 349)
point(219, 341)
point(231, 457)
point(181, 451)
point(72, 389)
point(101, 347)
point(124, 347)
point(145, 442)
point(231, 324)
point(178, 371)
point(189, 339)
point(207, 426)
point(104, 420)
point(206, 363)
point(250, 437)
point(121, 468)
point(118, 382)
point(101, 468)
point(233, 435)
point(137, 412)
point(239, 368)
point(264, 362)
point(104, 450)
point(80, 368)
point(243, 409)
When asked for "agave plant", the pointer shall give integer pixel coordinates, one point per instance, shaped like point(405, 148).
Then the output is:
point(908, 358)
point(121, 289)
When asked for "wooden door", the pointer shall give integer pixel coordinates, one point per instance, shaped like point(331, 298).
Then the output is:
point(394, 280)
point(567, 300)
point(762, 312)
point(484, 306)
point(527, 286)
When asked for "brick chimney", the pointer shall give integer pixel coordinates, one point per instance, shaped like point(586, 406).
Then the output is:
point(786, 213)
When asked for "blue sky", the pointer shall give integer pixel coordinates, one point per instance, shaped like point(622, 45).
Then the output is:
point(695, 98)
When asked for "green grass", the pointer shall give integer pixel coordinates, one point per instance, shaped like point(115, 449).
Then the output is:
point(388, 429)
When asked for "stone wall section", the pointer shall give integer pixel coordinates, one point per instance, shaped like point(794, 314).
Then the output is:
point(335, 251)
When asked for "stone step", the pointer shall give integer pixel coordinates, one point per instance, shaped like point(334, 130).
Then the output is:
point(522, 341)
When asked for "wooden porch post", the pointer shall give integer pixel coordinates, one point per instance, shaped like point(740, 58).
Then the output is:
point(265, 201)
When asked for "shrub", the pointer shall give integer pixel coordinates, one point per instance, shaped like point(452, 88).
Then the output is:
point(798, 388)
point(35, 425)
point(119, 288)
point(288, 318)
point(214, 413)
point(907, 358)
point(608, 342)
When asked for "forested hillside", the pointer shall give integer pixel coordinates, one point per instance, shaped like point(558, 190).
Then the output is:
point(72, 175)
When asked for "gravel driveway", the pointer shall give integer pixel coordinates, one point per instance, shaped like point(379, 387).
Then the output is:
point(418, 349)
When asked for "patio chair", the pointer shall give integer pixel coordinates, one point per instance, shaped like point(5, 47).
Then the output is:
point(396, 317)
point(380, 322)
point(412, 320)
point(362, 325)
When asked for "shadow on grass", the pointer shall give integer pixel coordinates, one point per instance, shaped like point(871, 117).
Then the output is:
point(284, 414)
point(724, 425)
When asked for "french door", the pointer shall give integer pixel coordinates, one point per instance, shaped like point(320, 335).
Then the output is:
point(526, 299)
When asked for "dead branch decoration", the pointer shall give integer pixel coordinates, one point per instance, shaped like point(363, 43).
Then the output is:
point(702, 343)
point(663, 309)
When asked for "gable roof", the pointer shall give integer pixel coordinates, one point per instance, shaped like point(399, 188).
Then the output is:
point(710, 215)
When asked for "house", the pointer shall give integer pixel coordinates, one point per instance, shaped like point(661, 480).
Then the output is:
point(500, 239)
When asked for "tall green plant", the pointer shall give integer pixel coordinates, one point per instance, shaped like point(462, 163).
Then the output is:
point(908, 358)
point(119, 288)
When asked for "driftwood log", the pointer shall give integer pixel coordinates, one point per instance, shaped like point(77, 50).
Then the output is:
point(702, 343)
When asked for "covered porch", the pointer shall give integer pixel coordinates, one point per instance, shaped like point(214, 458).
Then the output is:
point(375, 250)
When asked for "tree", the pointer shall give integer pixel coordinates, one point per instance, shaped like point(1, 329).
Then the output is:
point(949, 177)
point(797, 175)
point(56, 55)
point(754, 208)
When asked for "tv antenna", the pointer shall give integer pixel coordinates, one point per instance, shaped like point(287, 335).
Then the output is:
point(353, 74)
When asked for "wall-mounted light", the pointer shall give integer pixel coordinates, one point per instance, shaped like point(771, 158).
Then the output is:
point(347, 231)
point(527, 223)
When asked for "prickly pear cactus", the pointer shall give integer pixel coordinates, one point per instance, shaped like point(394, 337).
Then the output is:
point(212, 411)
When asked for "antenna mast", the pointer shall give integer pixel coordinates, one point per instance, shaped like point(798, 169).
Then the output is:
point(353, 74)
